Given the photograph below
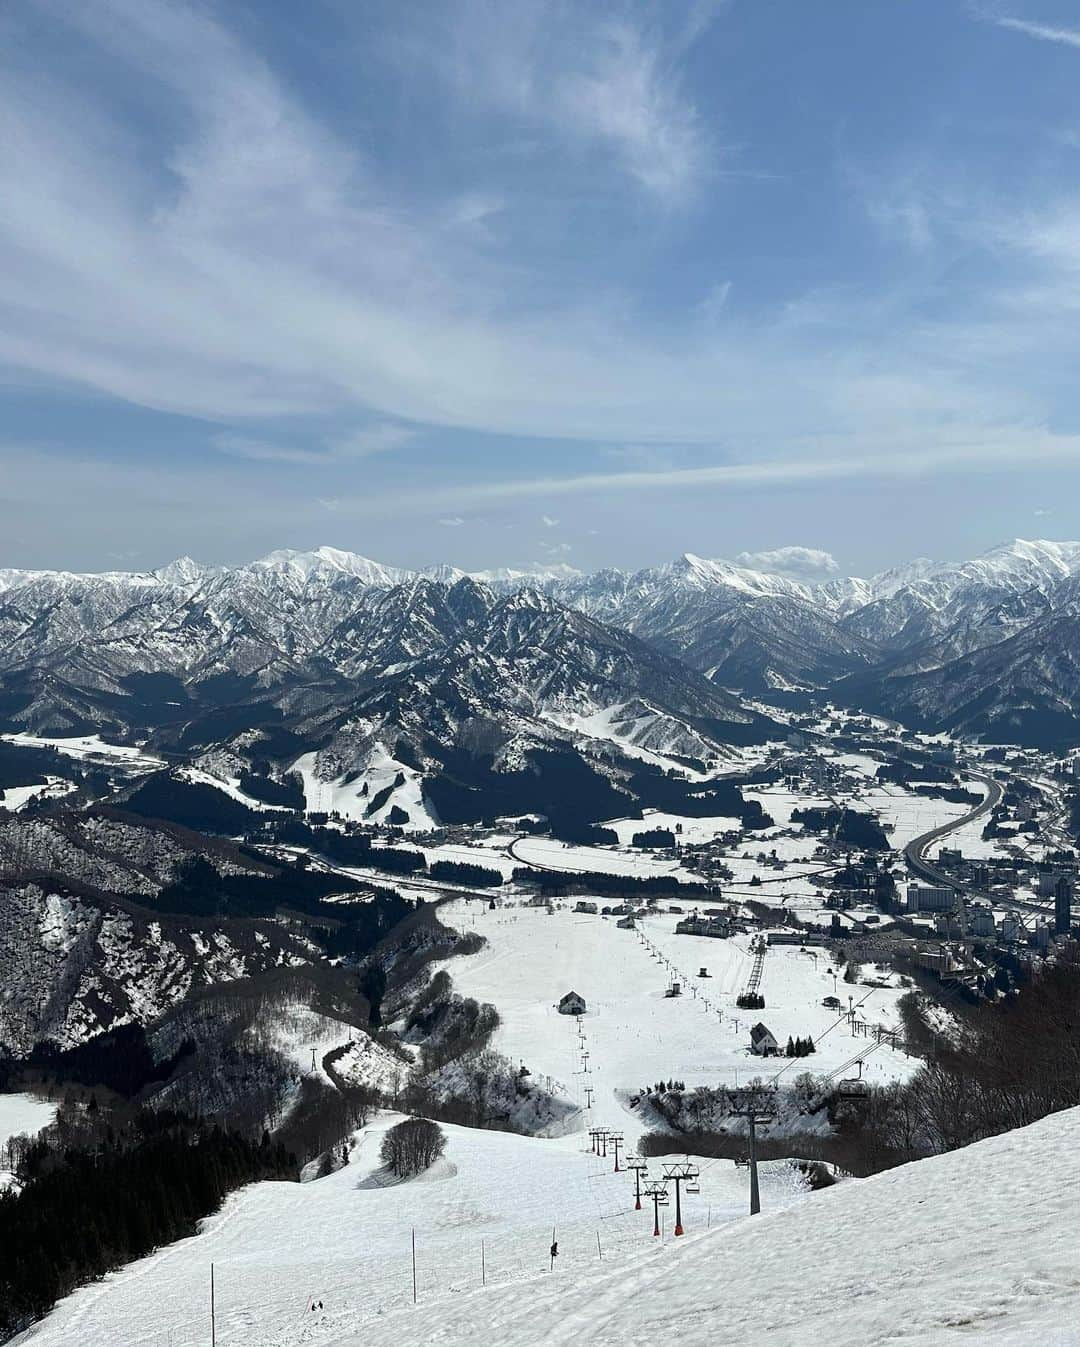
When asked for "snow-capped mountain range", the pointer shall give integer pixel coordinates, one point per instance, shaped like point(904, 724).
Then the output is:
point(352, 657)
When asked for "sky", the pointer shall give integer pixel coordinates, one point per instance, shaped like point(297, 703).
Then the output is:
point(537, 282)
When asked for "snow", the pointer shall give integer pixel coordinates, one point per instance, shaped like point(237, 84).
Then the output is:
point(298, 1032)
point(488, 853)
point(547, 853)
point(345, 1239)
point(778, 802)
point(330, 560)
point(615, 724)
point(912, 815)
point(90, 747)
point(694, 830)
point(636, 1034)
point(975, 1247)
point(229, 786)
point(23, 1114)
point(335, 795)
point(16, 797)
point(20, 1115)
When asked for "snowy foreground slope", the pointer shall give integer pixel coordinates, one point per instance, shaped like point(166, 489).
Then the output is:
point(485, 1211)
point(977, 1247)
point(980, 1246)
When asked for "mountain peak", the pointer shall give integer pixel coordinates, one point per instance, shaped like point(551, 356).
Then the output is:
point(182, 571)
point(328, 560)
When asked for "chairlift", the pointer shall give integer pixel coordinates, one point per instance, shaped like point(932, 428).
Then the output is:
point(853, 1088)
point(692, 1188)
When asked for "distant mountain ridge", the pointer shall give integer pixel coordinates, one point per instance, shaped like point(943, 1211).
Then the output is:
point(399, 701)
point(328, 632)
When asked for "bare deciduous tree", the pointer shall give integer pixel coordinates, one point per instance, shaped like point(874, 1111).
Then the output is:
point(412, 1146)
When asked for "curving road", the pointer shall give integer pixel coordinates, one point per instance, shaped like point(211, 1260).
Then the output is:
point(914, 852)
point(919, 865)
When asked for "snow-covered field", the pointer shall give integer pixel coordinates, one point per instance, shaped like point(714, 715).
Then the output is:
point(779, 801)
point(489, 853)
point(17, 797)
point(549, 853)
point(20, 1114)
point(91, 748)
point(693, 830)
point(911, 815)
point(485, 1211)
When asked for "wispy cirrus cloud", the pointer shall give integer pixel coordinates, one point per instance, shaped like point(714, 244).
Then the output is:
point(974, 452)
point(1044, 32)
point(603, 78)
point(380, 438)
point(501, 249)
point(257, 265)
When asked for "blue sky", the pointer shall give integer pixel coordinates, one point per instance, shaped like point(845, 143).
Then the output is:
point(504, 283)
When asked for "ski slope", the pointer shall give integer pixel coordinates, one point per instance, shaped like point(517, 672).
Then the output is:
point(15, 798)
point(483, 1213)
point(635, 1034)
point(352, 799)
point(978, 1248)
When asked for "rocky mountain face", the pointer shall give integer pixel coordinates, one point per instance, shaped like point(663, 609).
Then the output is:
point(742, 628)
point(983, 646)
point(85, 944)
point(1012, 678)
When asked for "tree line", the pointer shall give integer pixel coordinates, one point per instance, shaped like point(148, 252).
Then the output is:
point(101, 1188)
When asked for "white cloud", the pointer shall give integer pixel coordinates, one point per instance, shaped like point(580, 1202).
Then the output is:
point(453, 522)
point(802, 562)
point(381, 438)
point(712, 306)
point(1069, 37)
point(261, 267)
point(548, 522)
